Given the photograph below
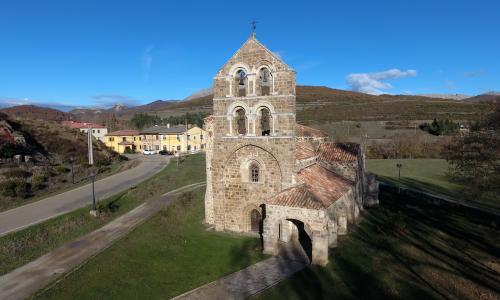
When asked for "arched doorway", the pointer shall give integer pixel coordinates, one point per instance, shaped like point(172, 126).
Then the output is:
point(297, 235)
point(255, 221)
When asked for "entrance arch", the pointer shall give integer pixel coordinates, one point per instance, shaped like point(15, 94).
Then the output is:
point(297, 237)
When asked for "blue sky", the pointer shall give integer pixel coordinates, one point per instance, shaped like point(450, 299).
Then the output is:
point(97, 53)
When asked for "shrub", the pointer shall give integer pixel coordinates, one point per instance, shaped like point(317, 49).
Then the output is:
point(22, 188)
point(38, 182)
point(17, 173)
point(62, 170)
point(8, 188)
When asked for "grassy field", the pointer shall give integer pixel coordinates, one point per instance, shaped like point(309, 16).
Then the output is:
point(401, 252)
point(429, 175)
point(169, 254)
point(23, 246)
point(424, 174)
point(354, 131)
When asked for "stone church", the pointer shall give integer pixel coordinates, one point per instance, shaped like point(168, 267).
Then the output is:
point(269, 175)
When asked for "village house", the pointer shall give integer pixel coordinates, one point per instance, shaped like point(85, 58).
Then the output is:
point(267, 174)
point(98, 131)
point(175, 139)
point(123, 141)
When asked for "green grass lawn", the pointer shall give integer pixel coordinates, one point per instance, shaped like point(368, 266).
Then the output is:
point(21, 247)
point(428, 175)
point(424, 174)
point(401, 252)
point(169, 254)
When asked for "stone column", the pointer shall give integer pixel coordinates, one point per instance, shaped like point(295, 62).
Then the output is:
point(230, 79)
point(230, 119)
point(270, 237)
point(273, 117)
point(320, 248)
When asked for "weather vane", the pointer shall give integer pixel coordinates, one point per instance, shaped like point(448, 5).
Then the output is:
point(254, 26)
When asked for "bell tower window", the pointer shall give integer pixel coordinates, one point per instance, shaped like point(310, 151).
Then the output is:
point(265, 81)
point(264, 122)
point(241, 121)
point(241, 78)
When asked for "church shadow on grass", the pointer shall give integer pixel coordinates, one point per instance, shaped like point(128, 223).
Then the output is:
point(403, 251)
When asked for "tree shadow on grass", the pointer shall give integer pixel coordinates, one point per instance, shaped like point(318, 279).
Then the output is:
point(443, 243)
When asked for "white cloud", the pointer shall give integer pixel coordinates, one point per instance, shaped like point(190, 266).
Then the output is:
point(373, 83)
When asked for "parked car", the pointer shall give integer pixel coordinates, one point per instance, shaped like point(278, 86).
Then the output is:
point(165, 152)
point(148, 152)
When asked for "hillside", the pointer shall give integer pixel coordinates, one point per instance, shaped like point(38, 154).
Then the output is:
point(315, 104)
point(319, 104)
point(35, 112)
point(487, 97)
point(48, 153)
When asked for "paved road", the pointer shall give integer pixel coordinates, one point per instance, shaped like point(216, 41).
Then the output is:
point(253, 279)
point(23, 282)
point(36, 212)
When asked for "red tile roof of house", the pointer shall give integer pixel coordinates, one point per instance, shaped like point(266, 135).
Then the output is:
point(345, 152)
point(125, 132)
point(304, 150)
point(306, 131)
point(320, 189)
point(79, 125)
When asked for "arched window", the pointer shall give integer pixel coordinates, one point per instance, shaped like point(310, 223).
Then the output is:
point(265, 121)
point(265, 81)
point(241, 121)
point(241, 78)
point(254, 172)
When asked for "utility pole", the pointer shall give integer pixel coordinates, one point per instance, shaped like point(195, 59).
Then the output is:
point(91, 154)
point(399, 165)
point(93, 212)
point(72, 160)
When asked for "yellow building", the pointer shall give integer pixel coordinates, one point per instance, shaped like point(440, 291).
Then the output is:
point(123, 141)
point(173, 138)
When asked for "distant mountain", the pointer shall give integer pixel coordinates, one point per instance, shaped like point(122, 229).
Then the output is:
point(487, 97)
point(36, 112)
point(201, 93)
point(447, 96)
point(157, 105)
point(313, 102)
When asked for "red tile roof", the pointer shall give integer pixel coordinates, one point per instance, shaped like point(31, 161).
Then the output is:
point(126, 132)
point(304, 150)
point(79, 125)
point(344, 152)
point(320, 189)
point(306, 131)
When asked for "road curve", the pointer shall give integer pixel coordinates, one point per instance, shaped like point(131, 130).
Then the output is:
point(21, 217)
